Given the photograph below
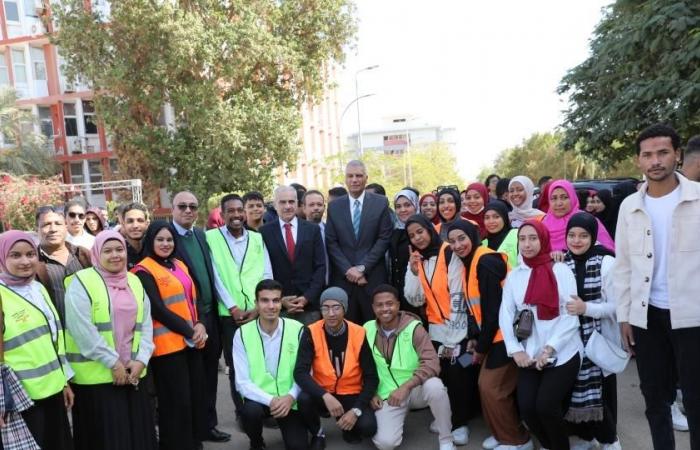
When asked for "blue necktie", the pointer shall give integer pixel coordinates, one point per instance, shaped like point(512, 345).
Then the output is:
point(356, 218)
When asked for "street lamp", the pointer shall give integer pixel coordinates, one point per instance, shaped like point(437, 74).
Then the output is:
point(340, 122)
point(408, 147)
point(357, 97)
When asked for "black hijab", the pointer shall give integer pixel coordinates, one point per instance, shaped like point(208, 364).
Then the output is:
point(496, 239)
point(149, 241)
point(456, 197)
point(588, 222)
point(609, 215)
point(433, 249)
point(492, 262)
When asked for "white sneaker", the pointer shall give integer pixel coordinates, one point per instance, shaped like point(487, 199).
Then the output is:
point(680, 422)
point(434, 428)
point(490, 443)
point(614, 446)
point(576, 443)
point(679, 400)
point(447, 446)
point(460, 436)
point(526, 446)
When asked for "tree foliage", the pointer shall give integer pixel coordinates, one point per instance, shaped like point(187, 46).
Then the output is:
point(235, 74)
point(644, 68)
point(541, 154)
point(20, 196)
point(25, 151)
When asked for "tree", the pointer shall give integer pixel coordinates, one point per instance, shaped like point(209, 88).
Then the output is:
point(25, 151)
point(20, 197)
point(541, 154)
point(644, 68)
point(432, 165)
point(204, 94)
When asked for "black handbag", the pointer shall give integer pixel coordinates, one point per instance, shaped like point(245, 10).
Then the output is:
point(522, 327)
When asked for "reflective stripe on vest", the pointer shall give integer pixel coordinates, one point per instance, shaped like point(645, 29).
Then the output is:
point(350, 381)
point(438, 305)
point(404, 358)
point(471, 287)
point(282, 383)
point(240, 282)
point(88, 371)
point(30, 349)
point(172, 293)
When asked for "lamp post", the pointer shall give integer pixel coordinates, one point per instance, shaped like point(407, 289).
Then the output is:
point(409, 168)
point(340, 122)
point(357, 97)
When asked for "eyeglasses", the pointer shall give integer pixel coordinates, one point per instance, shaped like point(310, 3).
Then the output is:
point(73, 215)
point(449, 186)
point(185, 206)
point(332, 308)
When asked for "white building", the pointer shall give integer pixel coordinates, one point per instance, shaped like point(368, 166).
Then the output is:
point(398, 133)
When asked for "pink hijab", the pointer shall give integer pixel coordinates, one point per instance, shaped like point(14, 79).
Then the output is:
point(557, 225)
point(113, 280)
point(7, 240)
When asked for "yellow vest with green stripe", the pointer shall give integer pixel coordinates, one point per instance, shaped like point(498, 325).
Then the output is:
point(281, 384)
point(240, 282)
point(404, 359)
point(88, 371)
point(30, 350)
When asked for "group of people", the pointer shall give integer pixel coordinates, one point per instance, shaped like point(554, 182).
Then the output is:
point(488, 301)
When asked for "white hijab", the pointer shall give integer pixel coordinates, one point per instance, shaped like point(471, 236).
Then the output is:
point(525, 211)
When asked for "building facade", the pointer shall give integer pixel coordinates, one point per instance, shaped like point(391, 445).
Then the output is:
point(397, 134)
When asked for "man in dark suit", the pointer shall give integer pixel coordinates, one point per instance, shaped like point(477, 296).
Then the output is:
point(297, 256)
point(358, 230)
point(193, 250)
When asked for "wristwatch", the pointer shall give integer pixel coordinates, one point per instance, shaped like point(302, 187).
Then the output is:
point(356, 411)
point(361, 268)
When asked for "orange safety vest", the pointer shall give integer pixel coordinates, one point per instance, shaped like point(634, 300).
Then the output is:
point(438, 226)
point(470, 286)
point(350, 382)
point(172, 293)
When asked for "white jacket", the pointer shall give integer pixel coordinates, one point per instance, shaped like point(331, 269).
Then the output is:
point(634, 262)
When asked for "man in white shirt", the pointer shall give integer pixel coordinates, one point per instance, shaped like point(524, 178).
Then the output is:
point(264, 356)
point(74, 212)
point(657, 262)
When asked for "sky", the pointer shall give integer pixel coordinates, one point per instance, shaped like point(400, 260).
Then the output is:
point(490, 69)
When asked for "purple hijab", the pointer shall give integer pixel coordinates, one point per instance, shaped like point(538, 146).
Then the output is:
point(7, 240)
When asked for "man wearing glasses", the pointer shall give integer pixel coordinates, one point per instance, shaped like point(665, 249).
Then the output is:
point(193, 250)
point(336, 373)
point(75, 219)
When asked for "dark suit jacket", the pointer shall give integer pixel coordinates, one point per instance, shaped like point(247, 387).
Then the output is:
point(307, 275)
point(184, 257)
point(346, 251)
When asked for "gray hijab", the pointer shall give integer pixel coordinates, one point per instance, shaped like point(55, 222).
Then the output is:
point(411, 197)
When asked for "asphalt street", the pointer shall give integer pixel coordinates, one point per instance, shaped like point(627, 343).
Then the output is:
point(632, 425)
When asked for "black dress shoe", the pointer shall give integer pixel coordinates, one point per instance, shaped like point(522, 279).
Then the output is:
point(318, 443)
point(218, 436)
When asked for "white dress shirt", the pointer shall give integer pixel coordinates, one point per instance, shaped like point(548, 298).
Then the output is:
point(84, 239)
point(361, 199)
point(295, 227)
point(271, 346)
point(238, 248)
point(182, 231)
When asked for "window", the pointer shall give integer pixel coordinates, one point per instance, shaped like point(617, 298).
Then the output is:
point(45, 122)
point(76, 173)
point(113, 167)
point(19, 66)
point(29, 9)
point(38, 63)
point(95, 169)
point(89, 118)
point(4, 73)
point(70, 120)
point(11, 11)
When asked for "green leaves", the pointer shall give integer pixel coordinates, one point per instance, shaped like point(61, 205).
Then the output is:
point(234, 73)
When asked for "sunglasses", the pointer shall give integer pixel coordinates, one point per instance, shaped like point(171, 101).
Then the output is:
point(73, 215)
point(185, 206)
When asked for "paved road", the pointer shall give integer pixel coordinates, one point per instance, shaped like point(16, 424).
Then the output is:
point(632, 428)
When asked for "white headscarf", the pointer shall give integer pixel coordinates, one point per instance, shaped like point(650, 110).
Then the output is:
point(411, 197)
point(525, 211)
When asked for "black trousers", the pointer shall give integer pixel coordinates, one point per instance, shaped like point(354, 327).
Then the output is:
point(543, 397)
point(294, 432)
point(462, 385)
point(604, 431)
point(311, 410)
point(211, 354)
point(228, 328)
point(664, 358)
point(178, 378)
point(47, 420)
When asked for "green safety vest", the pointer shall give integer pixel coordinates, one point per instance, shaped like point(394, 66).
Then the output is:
point(404, 360)
point(240, 282)
point(88, 371)
point(252, 341)
point(30, 350)
point(508, 247)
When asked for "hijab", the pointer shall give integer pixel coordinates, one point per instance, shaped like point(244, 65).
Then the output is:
point(411, 197)
point(496, 239)
point(589, 223)
point(436, 217)
point(149, 243)
point(433, 249)
point(7, 240)
point(479, 216)
point(114, 281)
point(472, 232)
point(100, 219)
point(525, 211)
point(542, 288)
point(608, 216)
point(543, 199)
point(557, 225)
point(457, 199)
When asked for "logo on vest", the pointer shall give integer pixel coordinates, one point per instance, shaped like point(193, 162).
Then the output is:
point(21, 316)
